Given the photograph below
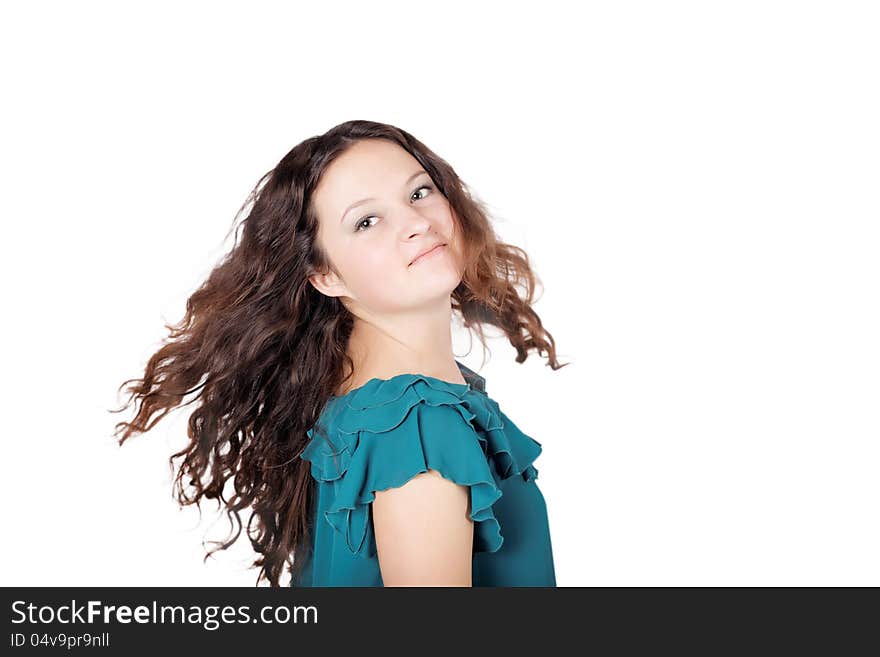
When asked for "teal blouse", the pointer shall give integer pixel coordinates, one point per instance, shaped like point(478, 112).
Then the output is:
point(387, 431)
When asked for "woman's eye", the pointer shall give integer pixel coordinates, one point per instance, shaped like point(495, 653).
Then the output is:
point(428, 187)
point(358, 227)
point(361, 221)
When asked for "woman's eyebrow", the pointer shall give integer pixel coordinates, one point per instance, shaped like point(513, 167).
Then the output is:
point(364, 200)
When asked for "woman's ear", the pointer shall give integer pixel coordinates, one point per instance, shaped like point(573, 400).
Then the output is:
point(329, 284)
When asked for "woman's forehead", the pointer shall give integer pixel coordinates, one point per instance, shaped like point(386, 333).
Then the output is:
point(360, 175)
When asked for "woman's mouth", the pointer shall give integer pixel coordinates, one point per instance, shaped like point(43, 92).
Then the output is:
point(429, 254)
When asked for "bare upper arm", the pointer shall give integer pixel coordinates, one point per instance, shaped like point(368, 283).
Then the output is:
point(424, 534)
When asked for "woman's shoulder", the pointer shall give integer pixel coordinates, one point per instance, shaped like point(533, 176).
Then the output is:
point(387, 431)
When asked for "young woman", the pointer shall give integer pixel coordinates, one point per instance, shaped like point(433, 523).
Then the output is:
point(320, 350)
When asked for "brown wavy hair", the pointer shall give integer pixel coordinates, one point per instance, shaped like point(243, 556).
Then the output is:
point(263, 350)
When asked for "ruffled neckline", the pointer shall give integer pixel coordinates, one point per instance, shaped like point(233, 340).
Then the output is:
point(380, 405)
point(378, 391)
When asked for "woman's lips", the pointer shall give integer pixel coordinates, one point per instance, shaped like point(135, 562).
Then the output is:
point(428, 254)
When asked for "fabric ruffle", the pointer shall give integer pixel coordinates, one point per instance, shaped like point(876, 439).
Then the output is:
point(389, 430)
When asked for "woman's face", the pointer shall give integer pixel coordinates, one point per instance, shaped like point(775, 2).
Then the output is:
point(377, 210)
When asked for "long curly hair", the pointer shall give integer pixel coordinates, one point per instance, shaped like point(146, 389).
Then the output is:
point(263, 350)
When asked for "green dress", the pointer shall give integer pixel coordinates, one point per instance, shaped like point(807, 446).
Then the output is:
point(389, 430)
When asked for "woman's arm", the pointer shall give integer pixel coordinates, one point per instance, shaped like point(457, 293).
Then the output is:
point(424, 534)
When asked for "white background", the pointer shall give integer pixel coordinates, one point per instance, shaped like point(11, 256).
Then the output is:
point(695, 183)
